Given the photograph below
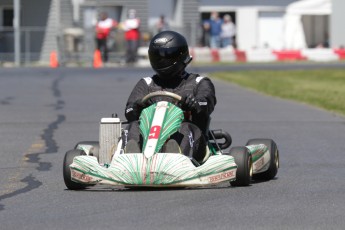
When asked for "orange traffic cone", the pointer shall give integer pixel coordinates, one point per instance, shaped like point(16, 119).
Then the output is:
point(54, 60)
point(97, 59)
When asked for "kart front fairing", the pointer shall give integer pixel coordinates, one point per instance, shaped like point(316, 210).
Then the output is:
point(163, 169)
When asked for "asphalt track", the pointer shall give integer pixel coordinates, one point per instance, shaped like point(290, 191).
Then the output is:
point(44, 112)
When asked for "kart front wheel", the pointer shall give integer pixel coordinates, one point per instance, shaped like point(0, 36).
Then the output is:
point(274, 162)
point(244, 164)
point(69, 156)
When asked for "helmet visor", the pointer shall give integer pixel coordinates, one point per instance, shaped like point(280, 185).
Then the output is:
point(161, 57)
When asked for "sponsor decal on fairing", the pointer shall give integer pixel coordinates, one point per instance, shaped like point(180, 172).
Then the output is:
point(80, 176)
point(221, 176)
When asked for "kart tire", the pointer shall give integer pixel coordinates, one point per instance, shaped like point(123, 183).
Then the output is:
point(95, 150)
point(274, 163)
point(69, 156)
point(244, 164)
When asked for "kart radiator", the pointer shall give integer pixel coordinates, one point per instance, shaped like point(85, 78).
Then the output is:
point(109, 134)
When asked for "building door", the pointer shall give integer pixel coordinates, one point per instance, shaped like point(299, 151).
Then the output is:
point(6, 32)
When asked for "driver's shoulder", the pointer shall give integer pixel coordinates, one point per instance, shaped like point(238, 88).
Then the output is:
point(197, 78)
point(147, 80)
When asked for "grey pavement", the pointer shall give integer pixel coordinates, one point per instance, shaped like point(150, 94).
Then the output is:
point(44, 112)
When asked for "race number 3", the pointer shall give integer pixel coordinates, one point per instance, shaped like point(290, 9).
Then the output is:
point(154, 132)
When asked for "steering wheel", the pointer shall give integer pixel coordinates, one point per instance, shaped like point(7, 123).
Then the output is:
point(161, 93)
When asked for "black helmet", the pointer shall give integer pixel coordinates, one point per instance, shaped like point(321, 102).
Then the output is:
point(169, 54)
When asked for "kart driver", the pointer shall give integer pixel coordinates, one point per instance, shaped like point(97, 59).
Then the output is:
point(169, 56)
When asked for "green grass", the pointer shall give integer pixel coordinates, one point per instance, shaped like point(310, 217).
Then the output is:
point(324, 88)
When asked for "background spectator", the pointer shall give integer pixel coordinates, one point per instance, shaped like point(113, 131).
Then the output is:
point(206, 34)
point(132, 35)
point(103, 28)
point(162, 24)
point(215, 29)
point(228, 31)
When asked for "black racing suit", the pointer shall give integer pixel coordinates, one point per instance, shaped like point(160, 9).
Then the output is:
point(192, 134)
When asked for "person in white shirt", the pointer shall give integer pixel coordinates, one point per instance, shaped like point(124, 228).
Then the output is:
point(228, 31)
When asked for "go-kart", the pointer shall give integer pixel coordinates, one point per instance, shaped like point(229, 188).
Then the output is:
point(106, 162)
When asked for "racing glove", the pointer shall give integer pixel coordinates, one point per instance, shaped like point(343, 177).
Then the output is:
point(190, 103)
point(139, 106)
point(133, 111)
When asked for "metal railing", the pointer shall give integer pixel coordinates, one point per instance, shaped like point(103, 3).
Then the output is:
point(71, 49)
point(31, 40)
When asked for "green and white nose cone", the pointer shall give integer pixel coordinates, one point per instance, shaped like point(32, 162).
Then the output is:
point(155, 129)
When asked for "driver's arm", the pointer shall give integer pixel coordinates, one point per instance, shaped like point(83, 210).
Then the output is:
point(133, 109)
point(206, 100)
point(206, 97)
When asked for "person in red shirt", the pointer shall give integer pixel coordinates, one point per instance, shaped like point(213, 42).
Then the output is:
point(103, 29)
point(132, 35)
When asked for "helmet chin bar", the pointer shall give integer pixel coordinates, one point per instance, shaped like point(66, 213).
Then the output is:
point(188, 60)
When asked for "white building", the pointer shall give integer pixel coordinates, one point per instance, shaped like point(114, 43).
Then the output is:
point(263, 23)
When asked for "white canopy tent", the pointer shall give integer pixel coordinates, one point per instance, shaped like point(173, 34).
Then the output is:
point(294, 35)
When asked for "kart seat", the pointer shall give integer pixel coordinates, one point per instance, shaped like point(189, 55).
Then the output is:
point(207, 155)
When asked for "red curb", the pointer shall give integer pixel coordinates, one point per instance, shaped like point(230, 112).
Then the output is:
point(215, 55)
point(340, 53)
point(289, 55)
point(240, 56)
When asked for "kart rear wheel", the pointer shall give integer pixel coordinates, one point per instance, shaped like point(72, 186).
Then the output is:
point(69, 156)
point(244, 164)
point(95, 147)
point(274, 163)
